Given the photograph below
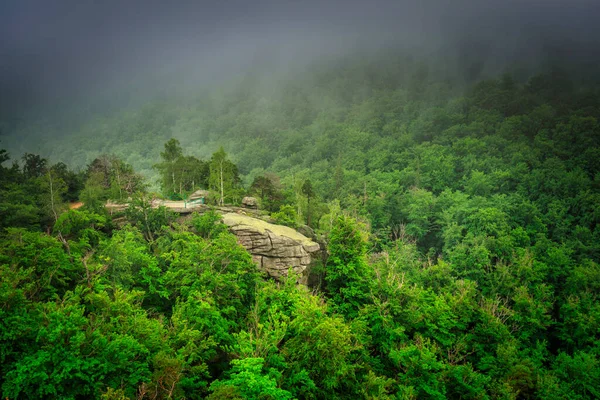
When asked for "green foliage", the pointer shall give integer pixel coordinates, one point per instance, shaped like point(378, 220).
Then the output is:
point(308, 191)
point(267, 189)
point(286, 216)
point(38, 264)
point(37, 195)
point(93, 194)
point(348, 275)
point(129, 263)
point(18, 208)
point(149, 220)
point(224, 177)
point(322, 347)
point(208, 225)
point(248, 381)
point(34, 166)
point(200, 333)
point(83, 227)
point(578, 375)
point(180, 174)
point(219, 266)
point(108, 177)
point(53, 190)
point(473, 273)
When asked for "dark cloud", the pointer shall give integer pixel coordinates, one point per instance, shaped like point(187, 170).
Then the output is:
point(50, 49)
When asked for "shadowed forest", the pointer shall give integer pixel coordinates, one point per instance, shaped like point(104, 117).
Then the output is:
point(459, 217)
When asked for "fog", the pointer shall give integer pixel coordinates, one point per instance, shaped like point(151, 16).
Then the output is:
point(56, 49)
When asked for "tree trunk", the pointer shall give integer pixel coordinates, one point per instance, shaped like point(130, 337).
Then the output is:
point(52, 197)
point(222, 201)
point(119, 183)
point(174, 186)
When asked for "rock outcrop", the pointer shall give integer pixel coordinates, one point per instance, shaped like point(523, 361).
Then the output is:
point(249, 202)
point(275, 248)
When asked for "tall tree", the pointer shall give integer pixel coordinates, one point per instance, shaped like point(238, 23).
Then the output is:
point(348, 274)
point(169, 166)
point(193, 173)
point(109, 177)
point(223, 174)
point(124, 181)
point(53, 190)
point(101, 165)
point(172, 151)
point(34, 166)
point(93, 193)
point(73, 180)
point(266, 188)
point(180, 173)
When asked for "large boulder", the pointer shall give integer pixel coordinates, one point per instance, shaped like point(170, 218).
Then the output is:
point(275, 248)
point(250, 202)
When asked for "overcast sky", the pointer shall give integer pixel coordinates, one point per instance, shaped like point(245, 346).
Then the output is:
point(51, 47)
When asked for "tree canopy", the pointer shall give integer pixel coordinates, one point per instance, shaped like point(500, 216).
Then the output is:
point(460, 227)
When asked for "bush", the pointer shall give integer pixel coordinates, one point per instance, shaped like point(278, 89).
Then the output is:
point(208, 225)
point(286, 216)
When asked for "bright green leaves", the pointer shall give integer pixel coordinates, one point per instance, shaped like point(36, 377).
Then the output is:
point(208, 225)
point(480, 280)
point(85, 343)
point(309, 352)
point(39, 264)
point(323, 346)
point(82, 229)
point(579, 375)
point(129, 264)
point(54, 361)
point(93, 194)
point(149, 220)
point(247, 380)
point(418, 206)
point(198, 336)
point(219, 266)
point(348, 275)
point(53, 190)
point(420, 369)
point(130, 328)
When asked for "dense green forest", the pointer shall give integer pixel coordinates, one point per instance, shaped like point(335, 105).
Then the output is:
point(460, 218)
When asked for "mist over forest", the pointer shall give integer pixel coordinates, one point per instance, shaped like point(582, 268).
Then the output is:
point(300, 200)
point(66, 63)
point(69, 67)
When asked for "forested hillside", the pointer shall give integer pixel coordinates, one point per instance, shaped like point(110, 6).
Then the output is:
point(460, 217)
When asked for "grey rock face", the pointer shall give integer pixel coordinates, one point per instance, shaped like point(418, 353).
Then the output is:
point(249, 202)
point(274, 248)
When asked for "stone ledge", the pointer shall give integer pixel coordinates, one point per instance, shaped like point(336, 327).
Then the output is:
point(275, 248)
